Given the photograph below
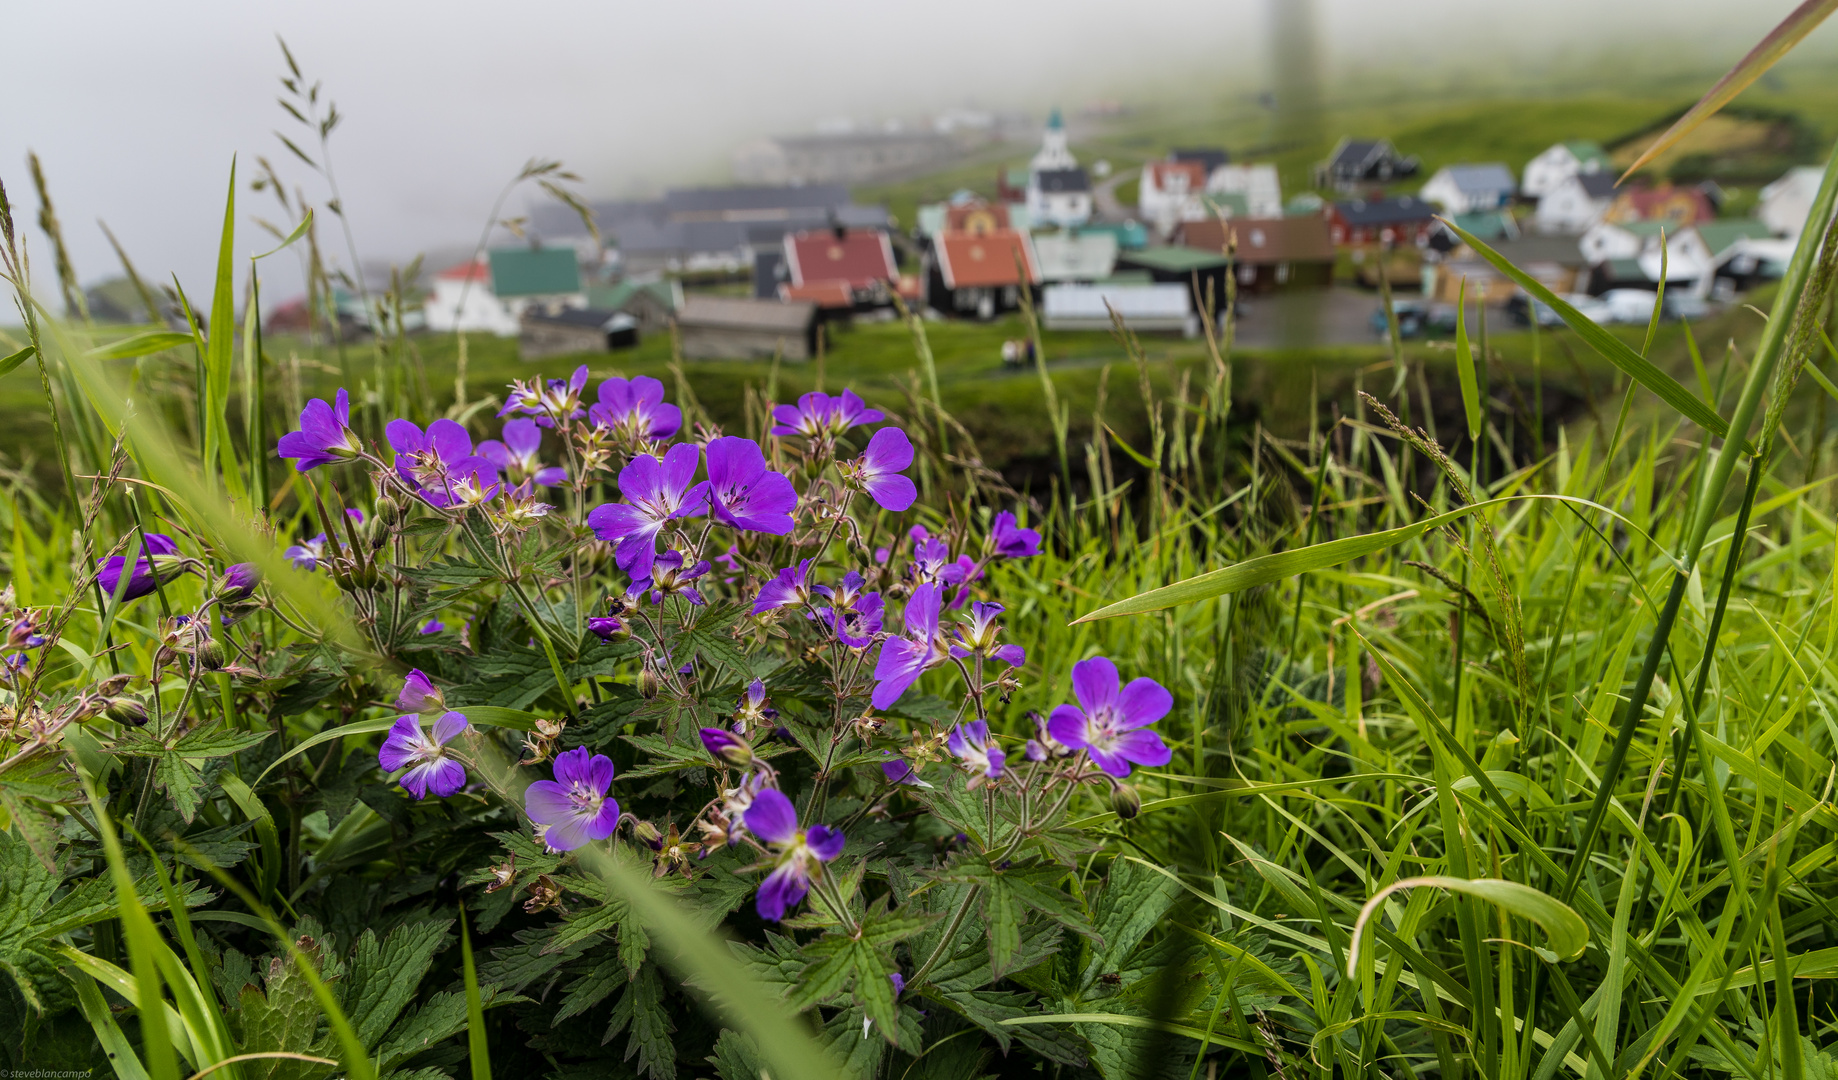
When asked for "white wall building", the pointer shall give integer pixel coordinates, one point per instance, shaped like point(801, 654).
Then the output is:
point(1786, 203)
point(1058, 191)
point(1467, 189)
point(1575, 204)
point(1546, 172)
point(1169, 193)
point(1257, 183)
point(463, 300)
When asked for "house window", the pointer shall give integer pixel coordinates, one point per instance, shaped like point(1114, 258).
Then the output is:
point(1247, 274)
point(1282, 273)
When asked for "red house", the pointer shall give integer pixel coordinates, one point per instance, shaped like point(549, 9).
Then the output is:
point(840, 268)
point(1405, 219)
point(980, 273)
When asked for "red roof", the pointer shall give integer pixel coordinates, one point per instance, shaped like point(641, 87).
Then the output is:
point(1161, 173)
point(968, 261)
point(857, 258)
point(477, 271)
point(825, 294)
point(976, 217)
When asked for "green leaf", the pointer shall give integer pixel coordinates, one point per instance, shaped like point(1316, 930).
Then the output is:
point(299, 231)
point(216, 741)
point(488, 715)
point(144, 343)
point(1564, 929)
point(385, 975)
point(874, 988)
point(181, 781)
point(219, 350)
point(1464, 363)
point(1610, 347)
point(16, 359)
point(1132, 904)
point(1763, 56)
point(478, 1050)
point(641, 1010)
point(1002, 914)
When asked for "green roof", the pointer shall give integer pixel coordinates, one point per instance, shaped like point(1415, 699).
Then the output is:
point(615, 297)
point(1645, 229)
point(1586, 151)
point(1488, 225)
point(1720, 234)
point(534, 272)
point(1177, 259)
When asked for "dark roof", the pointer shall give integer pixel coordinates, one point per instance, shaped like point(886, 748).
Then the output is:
point(1404, 208)
point(1597, 185)
point(1064, 180)
point(794, 208)
point(1210, 157)
point(729, 312)
point(653, 236)
point(589, 318)
point(1353, 154)
point(742, 199)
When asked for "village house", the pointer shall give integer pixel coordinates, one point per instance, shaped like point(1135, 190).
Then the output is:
point(1465, 189)
point(544, 333)
point(736, 328)
point(652, 302)
point(1201, 273)
point(1787, 202)
point(840, 268)
point(1209, 158)
point(979, 273)
point(1630, 254)
point(1080, 255)
point(1404, 219)
point(1667, 204)
point(1273, 254)
point(1256, 183)
point(491, 295)
point(1358, 164)
point(1169, 193)
point(1143, 309)
point(1548, 171)
point(1553, 261)
point(1575, 203)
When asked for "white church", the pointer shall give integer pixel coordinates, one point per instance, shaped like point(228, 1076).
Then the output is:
point(1058, 191)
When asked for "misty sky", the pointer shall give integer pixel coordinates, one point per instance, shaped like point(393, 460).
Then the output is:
point(137, 108)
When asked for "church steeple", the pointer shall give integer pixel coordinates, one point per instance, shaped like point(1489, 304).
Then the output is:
point(1054, 153)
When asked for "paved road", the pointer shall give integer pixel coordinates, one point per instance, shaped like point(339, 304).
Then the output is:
point(1104, 196)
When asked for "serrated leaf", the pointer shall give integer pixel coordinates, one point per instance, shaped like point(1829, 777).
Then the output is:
point(641, 1011)
point(385, 975)
point(826, 976)
point(181, 781)
point(735, 1057)
point(1134, 900)
point(215, 741)
point(874, 988)
point(591, 989)
point(1002, 913)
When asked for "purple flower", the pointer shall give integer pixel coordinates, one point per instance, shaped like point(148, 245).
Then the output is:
point(790, 589)
point(753, 707)
point(899, 982)
point(742, 492)
point(636, 410)
point(11, 666)
point(239, 582)
point(725, 746)
point(818, 414)
point(574, 807)
point(900, 771)
point(439, 463)
point(970, 743)
point(548, 401)
point(855, 616)
point(801, 853)
point(657, 492)
point(978, 636)
point(158, 552)
point(609, 628)
point(430, 769)
point(1011, 541)
point(878, 470)
point(1110, 724)
point(904, 659)
point(419, 695)
point(433, 626)
point(669, 577)
point(22, 631)
point(929, 560)
point(516, 454)
point(325, 436)
point(308, 554)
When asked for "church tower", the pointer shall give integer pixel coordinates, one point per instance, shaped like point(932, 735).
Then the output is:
point(1054, 153)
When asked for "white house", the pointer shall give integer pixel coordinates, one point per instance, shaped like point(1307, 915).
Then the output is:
point(1575, 204)
point(1076, 256)
point(1464, 189)
point(463, 300)
point(1164, 307)
point(1170, 193)
point(1607, 240)
point(492, 295)
point(1786, 203)
point(1546, 172)
point(1263, 194)
point(1058, 191)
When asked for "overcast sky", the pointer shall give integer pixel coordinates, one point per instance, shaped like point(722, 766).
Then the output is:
point(137, 108)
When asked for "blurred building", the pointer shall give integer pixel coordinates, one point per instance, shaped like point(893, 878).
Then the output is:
point(1465, 189)
point(1787, 202)
point(1271, 254)
point(841, 158)
point(492, 294)
point(1575, 203)
point(1560, 163)
point(733, 328)
point(840, 268)
point(1359, 164)
point(1405, 219)
point(1058, 191)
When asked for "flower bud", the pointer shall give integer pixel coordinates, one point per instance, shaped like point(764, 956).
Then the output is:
point(387, 511)
point(239, 582)
point(726, 746)
point(609, 628)
point(646, 832)
point(211, 655)
point(126, 711)
point(1125, 800)
point(647, 683)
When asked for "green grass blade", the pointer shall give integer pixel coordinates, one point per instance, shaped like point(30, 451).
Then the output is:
point(115, 1044)
point(16, 359)
point(477, 1050)
point(1763, 56)
point(142, 344)
point(1464, 363)
point(219, 353)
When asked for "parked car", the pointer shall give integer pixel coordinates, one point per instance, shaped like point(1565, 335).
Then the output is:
point(1416, 318)
point(1524, 309)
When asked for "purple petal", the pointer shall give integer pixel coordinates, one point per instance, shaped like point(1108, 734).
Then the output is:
point(825, 843)
point(772, 817)
point(1012, 655)
point(552, 476)
point(403, 740)
point(599, 774)
point(899, 666)
point(781, 890)
point(496, 452)
point(1111, 762)
point(1095, 683)
point(449, 725)
point(1067, 726)
point(922, 613)
point(1144, 747)
point(679, 467)
point(734, 460)
point(404, 437)
point(1143, 702)
point(546, 802)
point(603, 824)
point(415, 691)
point(575, 766)
point(567, 834)
point(523, 436)
point(442, 777)
point(889, 451)
point(893, 493)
